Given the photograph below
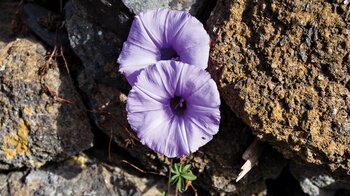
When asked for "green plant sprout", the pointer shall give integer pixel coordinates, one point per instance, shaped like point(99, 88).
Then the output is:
point(181, 174)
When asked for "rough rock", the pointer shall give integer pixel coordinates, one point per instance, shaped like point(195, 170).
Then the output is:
point(315, 180)
point(101, 84)
point(283, 67)
point(111, 15)
point(43, 23)
point(79, 175)
point(42, 117)
point(194, 6)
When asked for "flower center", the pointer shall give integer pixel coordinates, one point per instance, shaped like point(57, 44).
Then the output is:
point(178, 105)
point(168, 53)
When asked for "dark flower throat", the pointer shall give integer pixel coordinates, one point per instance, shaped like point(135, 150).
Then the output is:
point(168, 54)
point(178, 105)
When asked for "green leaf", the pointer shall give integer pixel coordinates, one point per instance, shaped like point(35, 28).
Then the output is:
point(177, 168)
point(189, 176)
point(180, 169)
point(172, 169)
point(174, 179)
point(181, 184)
point(186, 168)
point(164, 193)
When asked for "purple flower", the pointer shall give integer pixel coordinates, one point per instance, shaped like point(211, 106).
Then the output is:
point(163, 34)
point(174, 108)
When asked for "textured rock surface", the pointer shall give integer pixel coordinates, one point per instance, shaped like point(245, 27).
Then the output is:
point(100, 82)
point(137, 6)
point(318, 181)
point(36, 19)
point(283, 67)
point(79, 176)
point(112, 15)
point(37, 126)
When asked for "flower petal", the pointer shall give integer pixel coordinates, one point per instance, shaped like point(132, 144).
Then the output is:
point(138, 101)
point(143, 122)
point(154, 21)
point(161, 30)
point(205, 96)
point(197, 55)
point(208, 119)
point(192, 43)
point(141, 36)
point(131, 67)
point(196, 135)
point(155, 122)
point(154, 83)
point(167, 138)
point(191, 80)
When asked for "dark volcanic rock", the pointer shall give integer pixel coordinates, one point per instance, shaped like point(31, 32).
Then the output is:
point(100, 82)
point(283, 67)
point(79, 175)
point(44, 23)
point(315, 180)
point(112, 15)
point(36, 125)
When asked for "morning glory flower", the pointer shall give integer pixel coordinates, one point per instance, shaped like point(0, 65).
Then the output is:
point(174, 108)
point(163, 34)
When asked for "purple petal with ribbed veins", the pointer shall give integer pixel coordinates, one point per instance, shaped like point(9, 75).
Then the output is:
point(167, 138)
point(187, 85)
point(156, 124)
point(211, 99)
point(192, 43)
point(156, 30)
point(130, 67)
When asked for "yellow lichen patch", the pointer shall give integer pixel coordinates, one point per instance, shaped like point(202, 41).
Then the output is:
point(13, 144)
point(50, 109)
point(22, 131)
point(9, 145)
point(10, 153)
point(40, 107)
point(27, 110)
point(39, 164)
point(80, 160)
point(35, 164)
